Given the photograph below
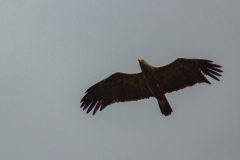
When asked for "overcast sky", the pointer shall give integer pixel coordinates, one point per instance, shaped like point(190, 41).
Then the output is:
point(52, 51)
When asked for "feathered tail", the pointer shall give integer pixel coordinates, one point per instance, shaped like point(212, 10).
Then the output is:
point(164, 106)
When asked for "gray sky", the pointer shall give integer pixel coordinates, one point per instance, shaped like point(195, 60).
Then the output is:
point(52, 51)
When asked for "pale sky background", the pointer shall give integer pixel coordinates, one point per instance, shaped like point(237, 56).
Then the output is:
point(52, 51)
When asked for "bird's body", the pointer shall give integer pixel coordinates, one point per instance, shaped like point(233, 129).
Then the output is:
point(155, 86)
point(151, 82)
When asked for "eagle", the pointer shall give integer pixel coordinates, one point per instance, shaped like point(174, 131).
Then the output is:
point(151, 82)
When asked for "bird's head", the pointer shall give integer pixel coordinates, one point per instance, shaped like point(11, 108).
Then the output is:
point(144, 65)
point(141, 61)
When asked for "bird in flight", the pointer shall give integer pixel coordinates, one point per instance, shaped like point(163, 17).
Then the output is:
point(151, 82)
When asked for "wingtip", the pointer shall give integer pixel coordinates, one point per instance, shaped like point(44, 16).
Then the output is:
point(209, 83)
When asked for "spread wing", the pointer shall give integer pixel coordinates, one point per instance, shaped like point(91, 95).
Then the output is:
point(186, 72)
point(119, 87)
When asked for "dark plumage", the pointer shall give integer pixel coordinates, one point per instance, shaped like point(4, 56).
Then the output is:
point(151, 82)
